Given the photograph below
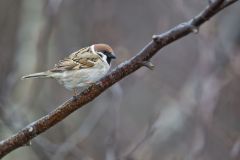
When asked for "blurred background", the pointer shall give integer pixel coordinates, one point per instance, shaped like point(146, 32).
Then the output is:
point(187, 108)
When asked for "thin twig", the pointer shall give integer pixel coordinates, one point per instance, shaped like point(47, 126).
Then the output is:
point(32, 130)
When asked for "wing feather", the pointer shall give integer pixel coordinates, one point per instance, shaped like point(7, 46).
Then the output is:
point(84, 58)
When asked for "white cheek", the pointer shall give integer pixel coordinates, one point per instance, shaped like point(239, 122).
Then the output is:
point(104, 58)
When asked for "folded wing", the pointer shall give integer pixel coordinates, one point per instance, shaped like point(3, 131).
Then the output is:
point(81, 59)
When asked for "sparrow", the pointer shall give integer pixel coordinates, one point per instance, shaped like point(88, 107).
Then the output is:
point(81, 68)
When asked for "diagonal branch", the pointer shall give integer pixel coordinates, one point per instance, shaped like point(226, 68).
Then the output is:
point(23, 137)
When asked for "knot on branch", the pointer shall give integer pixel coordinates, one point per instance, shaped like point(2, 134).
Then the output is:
point(148, 64)
point(156, 38)
point(194, 29)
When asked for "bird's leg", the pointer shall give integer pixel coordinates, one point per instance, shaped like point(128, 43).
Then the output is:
point(74, 93)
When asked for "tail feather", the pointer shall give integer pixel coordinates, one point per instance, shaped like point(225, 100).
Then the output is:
point(36, 75)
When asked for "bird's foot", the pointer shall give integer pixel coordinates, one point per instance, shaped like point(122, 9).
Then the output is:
point(74, 97)
point(74, 94)
point(89, 83)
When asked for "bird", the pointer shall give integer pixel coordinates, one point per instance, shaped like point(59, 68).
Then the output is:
point(81, 68)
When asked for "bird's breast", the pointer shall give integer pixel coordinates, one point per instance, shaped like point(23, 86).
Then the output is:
point(82, 77)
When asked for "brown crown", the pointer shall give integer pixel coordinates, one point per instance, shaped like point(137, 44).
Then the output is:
point(102, 48)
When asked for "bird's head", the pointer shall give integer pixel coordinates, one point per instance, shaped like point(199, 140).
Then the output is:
point(104, 51)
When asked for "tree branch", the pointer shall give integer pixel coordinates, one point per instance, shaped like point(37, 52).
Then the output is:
point(23, 137)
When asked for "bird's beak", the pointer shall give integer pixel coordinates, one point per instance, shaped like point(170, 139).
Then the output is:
point(113, 56)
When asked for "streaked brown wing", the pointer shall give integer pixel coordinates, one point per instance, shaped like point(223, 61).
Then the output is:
point(83, 58)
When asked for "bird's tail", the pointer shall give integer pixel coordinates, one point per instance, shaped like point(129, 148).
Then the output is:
point(36, 75)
